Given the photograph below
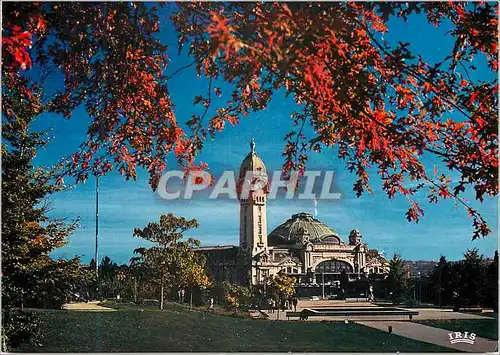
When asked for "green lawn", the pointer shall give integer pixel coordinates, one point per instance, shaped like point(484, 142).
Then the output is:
point(177, 329)
point(486, 328)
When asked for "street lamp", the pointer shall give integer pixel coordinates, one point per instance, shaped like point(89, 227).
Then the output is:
point(323, 283)
point(419, 287)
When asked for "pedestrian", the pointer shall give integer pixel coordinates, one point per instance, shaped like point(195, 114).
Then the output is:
point(295, 302)
point(371, 298)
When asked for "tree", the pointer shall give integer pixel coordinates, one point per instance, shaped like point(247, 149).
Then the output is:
point(444, 281)
point(191, 274)
point(233, 295)
point(112, 65)
point(171, 260)
point(471, 273)
point(397, 279)
point(55, 283)
point(379, 103)
point(471, 281)
point(140, 275)
point(491, 284)
point(281, 287)
point(114, 279)
point(29, 275)
point(230, 295)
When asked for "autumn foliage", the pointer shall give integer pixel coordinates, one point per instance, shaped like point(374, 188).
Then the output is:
point(379, 104)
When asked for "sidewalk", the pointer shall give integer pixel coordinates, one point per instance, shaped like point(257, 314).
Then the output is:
point(424, 314)
point(432, 335)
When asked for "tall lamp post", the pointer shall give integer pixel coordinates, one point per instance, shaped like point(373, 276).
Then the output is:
point(96, 257)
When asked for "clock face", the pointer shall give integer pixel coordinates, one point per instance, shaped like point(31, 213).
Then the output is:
point(259, 183)
point(256, 183)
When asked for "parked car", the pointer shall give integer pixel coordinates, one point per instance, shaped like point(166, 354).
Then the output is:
point(314, 298)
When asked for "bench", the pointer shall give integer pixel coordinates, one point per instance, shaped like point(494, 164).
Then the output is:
point(470, 309)
point(342, 312)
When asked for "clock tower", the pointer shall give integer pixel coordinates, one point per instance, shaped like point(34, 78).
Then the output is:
point(252, 194)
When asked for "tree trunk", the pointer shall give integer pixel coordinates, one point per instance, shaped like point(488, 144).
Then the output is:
point(135, 290)
point(191, 300)
point(161, 285)
point(161, 297)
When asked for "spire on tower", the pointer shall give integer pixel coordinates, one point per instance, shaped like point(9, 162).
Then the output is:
point(252, 145)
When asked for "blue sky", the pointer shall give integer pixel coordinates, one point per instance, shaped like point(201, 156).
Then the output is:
point(124, 205)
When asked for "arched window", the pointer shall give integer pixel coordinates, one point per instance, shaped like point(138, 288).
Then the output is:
point(333, 266)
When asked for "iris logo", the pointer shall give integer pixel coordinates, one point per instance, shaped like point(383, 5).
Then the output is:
point(459, 337)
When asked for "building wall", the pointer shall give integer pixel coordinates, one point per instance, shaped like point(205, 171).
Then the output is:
point(305, 258)
point(235, 265)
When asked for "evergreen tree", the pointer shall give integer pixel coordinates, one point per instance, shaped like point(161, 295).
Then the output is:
point(29, 275)
point(491, 286)
point(471, 276)
point(109, 274)
point(444, 282)
point(398, 282)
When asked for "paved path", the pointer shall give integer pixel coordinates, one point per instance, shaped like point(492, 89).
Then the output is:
point(432, 335)
point(90, 306)
point(423, 313)
point(438, 313)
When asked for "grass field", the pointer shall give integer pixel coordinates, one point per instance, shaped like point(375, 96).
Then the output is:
point(176, 330)
point(486, 328)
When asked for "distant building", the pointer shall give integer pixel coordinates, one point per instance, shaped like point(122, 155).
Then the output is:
point(377, 266)
point(421, 268)
point(302, 246)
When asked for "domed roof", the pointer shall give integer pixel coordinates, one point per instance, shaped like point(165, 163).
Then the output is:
point(252, 162)
point(303, 224)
